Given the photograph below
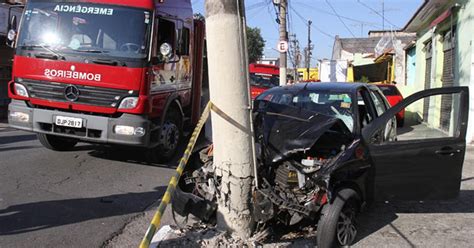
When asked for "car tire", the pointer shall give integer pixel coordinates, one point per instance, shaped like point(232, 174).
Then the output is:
point(56, 143)
point(170, 137)
point(336, 226)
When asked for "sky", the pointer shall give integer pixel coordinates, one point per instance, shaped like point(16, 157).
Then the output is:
point(346, 18)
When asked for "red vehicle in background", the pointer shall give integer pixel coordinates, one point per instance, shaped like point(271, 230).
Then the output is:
point(393, 96)
point(262, 78)
point(107, 71)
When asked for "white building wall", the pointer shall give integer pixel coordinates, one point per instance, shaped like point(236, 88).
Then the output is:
point(470, 130)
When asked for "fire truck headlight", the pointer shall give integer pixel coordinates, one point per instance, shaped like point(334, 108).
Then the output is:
point(129, 130)
point(129, 103)
point(20, 90)
point(19, 117)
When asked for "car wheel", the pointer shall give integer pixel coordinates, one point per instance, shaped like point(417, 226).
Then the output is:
point(56, 143)
point(337, 224)
point(170, 137)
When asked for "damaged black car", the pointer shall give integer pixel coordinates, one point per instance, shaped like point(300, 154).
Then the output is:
point(324, 150)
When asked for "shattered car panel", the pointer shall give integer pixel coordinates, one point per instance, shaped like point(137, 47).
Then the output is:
point(300, 149)
point(287, 130)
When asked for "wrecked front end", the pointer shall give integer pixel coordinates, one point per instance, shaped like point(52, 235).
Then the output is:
point(298, 154)
point(299, 151)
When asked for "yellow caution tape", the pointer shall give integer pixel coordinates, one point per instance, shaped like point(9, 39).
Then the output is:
point(155, 223)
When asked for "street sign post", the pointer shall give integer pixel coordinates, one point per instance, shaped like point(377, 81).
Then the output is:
point(282, 46)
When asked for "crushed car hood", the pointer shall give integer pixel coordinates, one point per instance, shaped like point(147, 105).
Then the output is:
point(286, 130)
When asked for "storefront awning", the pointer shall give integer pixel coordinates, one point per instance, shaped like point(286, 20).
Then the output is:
point(441, 18)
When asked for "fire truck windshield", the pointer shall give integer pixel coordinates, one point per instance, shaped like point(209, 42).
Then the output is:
point(83, 28)
point(264, 80)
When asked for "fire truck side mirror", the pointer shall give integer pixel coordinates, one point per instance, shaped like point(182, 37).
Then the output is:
point(167, 55)
point(166, 50)
point(12, 31)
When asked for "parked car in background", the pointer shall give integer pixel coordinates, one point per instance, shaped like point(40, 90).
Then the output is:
point(262, 78)
point(394, 96)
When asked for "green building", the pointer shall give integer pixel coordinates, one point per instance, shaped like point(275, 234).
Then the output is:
point(443, 57)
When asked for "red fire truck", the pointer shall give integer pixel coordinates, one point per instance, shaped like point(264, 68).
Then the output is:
point(107, 71)
point(263, 77)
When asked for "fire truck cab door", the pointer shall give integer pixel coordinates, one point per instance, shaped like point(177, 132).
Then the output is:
point(165, 69)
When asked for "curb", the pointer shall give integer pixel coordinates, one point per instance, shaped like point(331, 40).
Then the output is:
point(4, 124)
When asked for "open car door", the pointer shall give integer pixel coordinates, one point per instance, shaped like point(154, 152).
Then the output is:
point(426, 160)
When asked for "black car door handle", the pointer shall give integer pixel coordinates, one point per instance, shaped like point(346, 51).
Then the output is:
point(447, 151)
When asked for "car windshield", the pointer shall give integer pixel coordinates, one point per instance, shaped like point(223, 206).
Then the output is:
point(335, 104)
point(389, 90)
point(86, 28)
point(264, 81)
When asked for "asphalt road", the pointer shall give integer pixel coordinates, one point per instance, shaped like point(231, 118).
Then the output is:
point(81, 198)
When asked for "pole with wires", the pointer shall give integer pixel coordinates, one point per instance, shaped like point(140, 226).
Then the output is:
point(283, 37)
point(383, 15)
point(296, 56)
point(309, 53)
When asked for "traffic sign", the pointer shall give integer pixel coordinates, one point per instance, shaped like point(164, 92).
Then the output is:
point(282, 46)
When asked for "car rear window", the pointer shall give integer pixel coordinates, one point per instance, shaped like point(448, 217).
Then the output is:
point(389, 90)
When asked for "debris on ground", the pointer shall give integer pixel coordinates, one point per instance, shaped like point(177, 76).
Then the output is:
point(201, 235)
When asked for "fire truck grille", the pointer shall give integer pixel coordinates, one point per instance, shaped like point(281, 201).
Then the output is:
point(88, 95)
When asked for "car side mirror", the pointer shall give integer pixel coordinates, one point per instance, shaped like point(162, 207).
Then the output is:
point(376, 139)
point(12, 31)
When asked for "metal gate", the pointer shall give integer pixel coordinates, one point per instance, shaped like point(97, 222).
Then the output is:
point(448, 80)
point(426, 103)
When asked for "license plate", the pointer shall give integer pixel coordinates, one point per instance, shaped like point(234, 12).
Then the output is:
point(68, 122)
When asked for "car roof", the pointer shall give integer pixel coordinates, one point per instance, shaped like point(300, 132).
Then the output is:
point(333, 86)
point(386, 85)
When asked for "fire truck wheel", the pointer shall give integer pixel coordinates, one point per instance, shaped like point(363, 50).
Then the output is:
point(337, 224)
point(56, 143)
point(170, 137)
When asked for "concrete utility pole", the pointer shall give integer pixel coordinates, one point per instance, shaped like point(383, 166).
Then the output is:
point(231, 116)
point(283, 37)
point(308, 60)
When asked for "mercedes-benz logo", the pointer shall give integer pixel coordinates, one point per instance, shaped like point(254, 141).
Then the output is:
point(71, 93)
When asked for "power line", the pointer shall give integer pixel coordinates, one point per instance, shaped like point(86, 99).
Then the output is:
point(255, 5)
point(313, 26)
point(290, 19)
point(341, 16)
point(269, 9)
point(257, 11)
point(340, 19)
point(377, 13)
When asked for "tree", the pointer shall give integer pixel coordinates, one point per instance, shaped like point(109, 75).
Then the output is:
point(255, 44)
